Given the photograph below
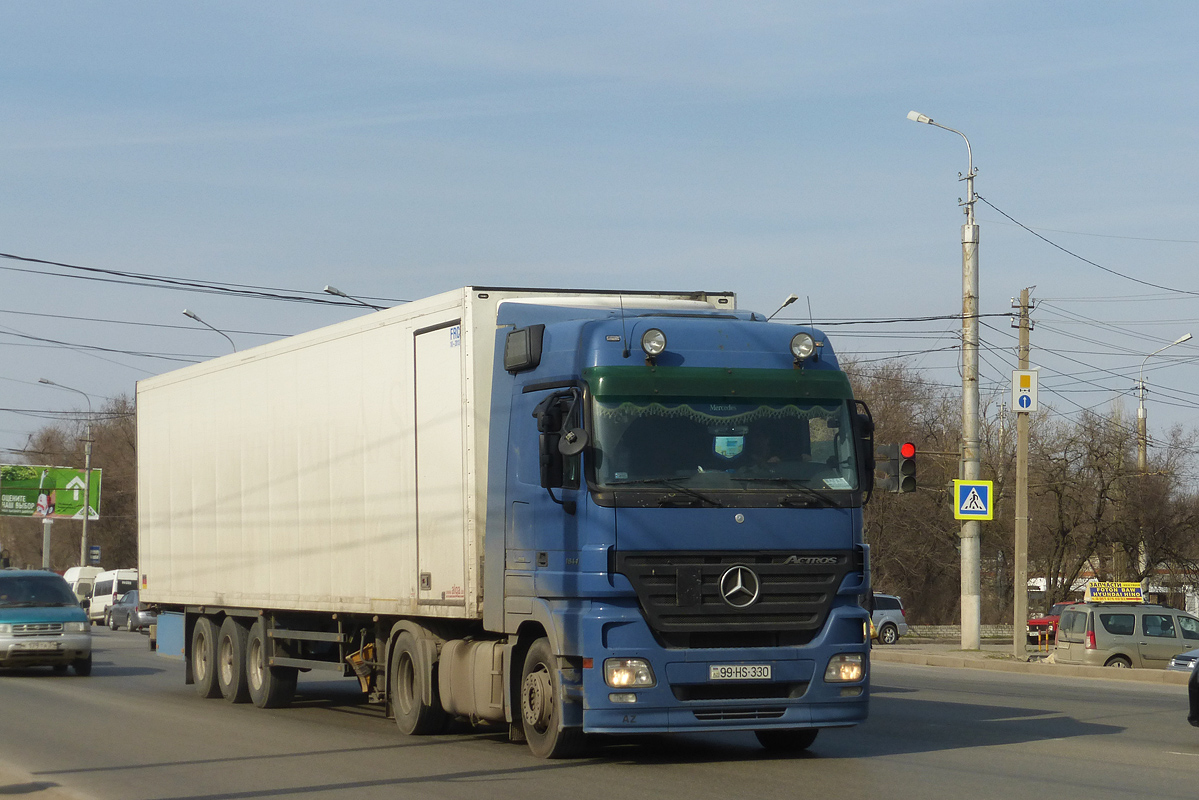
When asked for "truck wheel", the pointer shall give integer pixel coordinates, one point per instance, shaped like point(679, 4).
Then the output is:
point(83, 666)
point(270, 687)
point(792, 740)
point(231, 661)
point(1119, 662)
point(888, 635)
point(204, 658)
point(541, 705)
point(408, 681)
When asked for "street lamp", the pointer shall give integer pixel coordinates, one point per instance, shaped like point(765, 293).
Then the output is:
point(87, 469)
point(1143, 453)
point(192, 315)
point(971, 460)
point(1142, 432)
point(333, 290)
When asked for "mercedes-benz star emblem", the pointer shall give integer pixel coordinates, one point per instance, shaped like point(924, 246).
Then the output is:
point(739, 586)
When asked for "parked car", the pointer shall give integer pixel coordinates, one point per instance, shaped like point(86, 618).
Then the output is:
point(1124, 635)
point(1045, 627)
point(41, 623)
point(130, 613)
point(1184, 662)
point(108, 588)
point(888, 617)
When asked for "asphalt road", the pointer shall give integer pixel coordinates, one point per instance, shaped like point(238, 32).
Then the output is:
point(134, 731)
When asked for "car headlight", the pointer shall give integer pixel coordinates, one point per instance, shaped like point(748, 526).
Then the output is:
point(75, 627)
point(5, 628)
point(622, 673)
point(845, 668)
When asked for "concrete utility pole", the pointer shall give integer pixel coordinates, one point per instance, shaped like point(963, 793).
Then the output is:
point(971, 457)
point(1020, 571)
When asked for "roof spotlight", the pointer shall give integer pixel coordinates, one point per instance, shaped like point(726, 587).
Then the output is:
point(653, 342)
point(802, 346)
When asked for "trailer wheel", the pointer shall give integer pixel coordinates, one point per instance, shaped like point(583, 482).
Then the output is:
point(231, 661)
point(204, 658)
point(408, 683)
point(270, 687)
point(793, 740)
point(541, 705)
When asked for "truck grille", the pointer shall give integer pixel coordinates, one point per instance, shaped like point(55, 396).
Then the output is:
point(680, 593)
point(734, 714)
point(36, 628)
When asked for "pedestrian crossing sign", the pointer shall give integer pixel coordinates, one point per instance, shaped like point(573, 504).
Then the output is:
point(973, 500)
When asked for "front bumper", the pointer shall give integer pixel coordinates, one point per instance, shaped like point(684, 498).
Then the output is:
point(686, 698)
point(47, 650)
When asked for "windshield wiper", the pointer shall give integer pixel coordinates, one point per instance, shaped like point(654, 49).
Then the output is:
point(672, 484)
point(807, 491)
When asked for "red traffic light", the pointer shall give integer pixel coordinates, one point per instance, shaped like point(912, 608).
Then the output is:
point(907, 450)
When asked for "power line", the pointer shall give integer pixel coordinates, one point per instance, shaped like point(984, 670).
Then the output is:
point(182, 284)
point(1087, 260)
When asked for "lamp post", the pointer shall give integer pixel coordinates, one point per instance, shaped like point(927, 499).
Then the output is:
point(333, 290)
point(87, 469)
point(192, 315)
point(1143, 448)
point(971, 459)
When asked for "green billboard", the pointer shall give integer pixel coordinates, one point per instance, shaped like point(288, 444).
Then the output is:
point(47, 492)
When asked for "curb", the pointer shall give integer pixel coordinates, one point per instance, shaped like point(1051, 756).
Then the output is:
point(1154, 676)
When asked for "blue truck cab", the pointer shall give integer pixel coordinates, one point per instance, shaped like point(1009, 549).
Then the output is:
point(675, 497)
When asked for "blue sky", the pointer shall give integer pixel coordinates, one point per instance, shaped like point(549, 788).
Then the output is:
point(396, 150)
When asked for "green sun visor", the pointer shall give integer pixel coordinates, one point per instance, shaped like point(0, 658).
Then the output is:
point(645, 381)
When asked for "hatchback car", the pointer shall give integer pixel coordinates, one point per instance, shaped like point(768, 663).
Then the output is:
point(1124, 635)
point(1184, 662)
point(889, 618)
point(41, 623)
point(130, 612)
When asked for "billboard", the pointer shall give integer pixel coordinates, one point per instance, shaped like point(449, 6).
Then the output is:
point(47, 492)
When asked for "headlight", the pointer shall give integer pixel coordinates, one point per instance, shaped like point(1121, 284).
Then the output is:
point(75, 627)
point(5, 628)
point(845, 668)
point(802, 346)
point(653, 342)
point(622, 673)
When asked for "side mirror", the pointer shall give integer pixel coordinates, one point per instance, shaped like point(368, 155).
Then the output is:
point(864, 423)
point(572, 442)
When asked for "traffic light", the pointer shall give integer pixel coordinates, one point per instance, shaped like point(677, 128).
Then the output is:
point(897, 463)
point(906, 471)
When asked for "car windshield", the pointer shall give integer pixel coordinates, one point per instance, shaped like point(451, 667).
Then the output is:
point(717, 444)
point(35, 591)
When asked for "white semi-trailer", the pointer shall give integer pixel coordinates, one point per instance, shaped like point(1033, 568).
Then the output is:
point(530, 507)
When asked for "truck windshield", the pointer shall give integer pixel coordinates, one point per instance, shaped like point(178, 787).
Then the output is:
point(714, 444)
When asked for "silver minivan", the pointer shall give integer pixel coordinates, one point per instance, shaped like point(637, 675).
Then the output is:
point(1124, 635)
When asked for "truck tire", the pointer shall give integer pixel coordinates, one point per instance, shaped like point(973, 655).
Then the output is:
point(792, 740)
point(231, 661)
point(408, 682)
point(541, 699)
point(203, 657)
point(270, 687)
point(83, 666)
point(888, 634)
